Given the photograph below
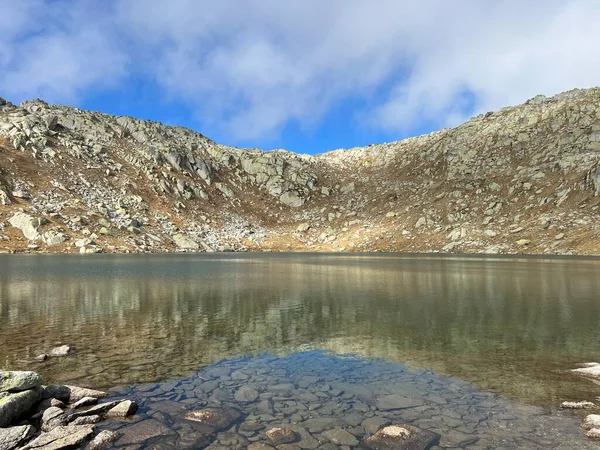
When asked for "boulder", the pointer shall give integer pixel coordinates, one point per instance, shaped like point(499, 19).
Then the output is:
point(125, 408)
point(53, 417)
point(93, 411)
point(14, 437)
point(70, 394)
point(62, 438)
point(19, 381)
point(27, 224)
point(401, 437)
point(292, 198)
point(54, 237)
point(14, 405)
point(303, 227)
point(103, 441)
point(185, 243)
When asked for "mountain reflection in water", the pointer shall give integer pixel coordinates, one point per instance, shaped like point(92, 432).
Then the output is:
point(511, 325)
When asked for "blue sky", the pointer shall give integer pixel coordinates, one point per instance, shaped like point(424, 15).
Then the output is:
point(305, 76)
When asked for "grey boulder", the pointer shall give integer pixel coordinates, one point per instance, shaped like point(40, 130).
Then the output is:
point(18, 381)
point(13, 437)
point(14, 405)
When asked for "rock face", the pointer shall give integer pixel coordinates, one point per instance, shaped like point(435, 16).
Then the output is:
point(509, 181)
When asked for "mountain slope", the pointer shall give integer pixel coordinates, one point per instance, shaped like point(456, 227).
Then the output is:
point(523, 179)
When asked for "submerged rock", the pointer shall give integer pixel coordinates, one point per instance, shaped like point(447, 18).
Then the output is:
point(142, 431)
point(341, 437)
point(281, 435)
point(403, 437)
point(218, 418)
point(246, 394)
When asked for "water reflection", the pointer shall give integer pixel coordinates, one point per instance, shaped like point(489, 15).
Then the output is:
point(506, 324)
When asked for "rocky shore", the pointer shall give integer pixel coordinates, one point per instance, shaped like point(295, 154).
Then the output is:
point(524, 179)
point(53, 417)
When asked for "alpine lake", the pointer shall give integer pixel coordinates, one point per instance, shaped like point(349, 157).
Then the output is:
point(333, 346)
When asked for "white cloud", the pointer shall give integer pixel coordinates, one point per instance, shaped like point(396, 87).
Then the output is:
point(249, 68)
point(57, 50)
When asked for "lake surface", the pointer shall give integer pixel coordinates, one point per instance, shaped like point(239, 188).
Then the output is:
point(506, 327)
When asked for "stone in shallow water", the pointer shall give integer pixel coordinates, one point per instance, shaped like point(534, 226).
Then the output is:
point(123, 409)
point(577, 405)
point(591, 421)
point(18, 381)
point(341, 437)
point(590, 370)
point(61, 437)
point(13, 437)
point(63, 350)
point(280, 435)
point(246, 394)
point(218, 418)
point(401, 437)
point(397, 401)
point(103, 441)
point(260, 446)
point(15, 405)
point(594, 433)
point(142, 431)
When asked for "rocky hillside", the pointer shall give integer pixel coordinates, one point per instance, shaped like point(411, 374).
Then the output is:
point(523, 179)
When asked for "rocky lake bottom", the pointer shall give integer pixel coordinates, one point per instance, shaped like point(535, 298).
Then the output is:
point(333, 402)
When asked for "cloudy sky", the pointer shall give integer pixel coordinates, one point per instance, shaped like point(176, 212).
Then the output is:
point(306, 75)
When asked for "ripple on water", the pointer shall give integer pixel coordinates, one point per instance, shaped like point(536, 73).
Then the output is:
point(330, 401)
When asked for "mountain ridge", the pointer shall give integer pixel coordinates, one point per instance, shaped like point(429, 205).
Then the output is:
point(523, 179)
